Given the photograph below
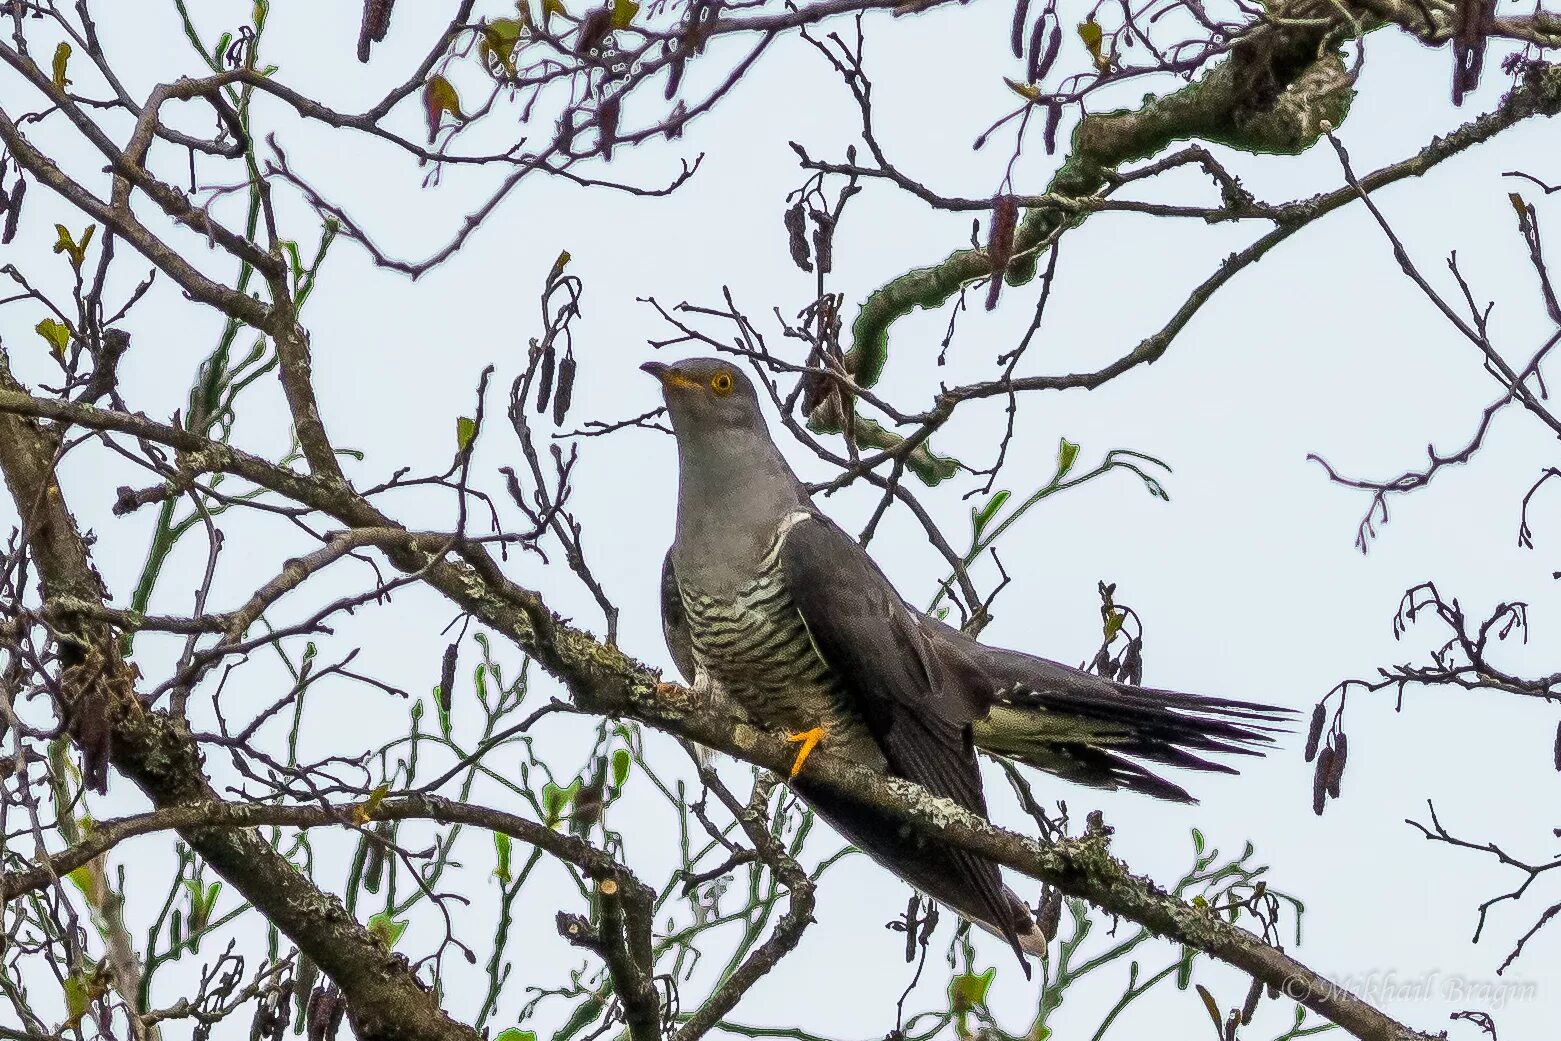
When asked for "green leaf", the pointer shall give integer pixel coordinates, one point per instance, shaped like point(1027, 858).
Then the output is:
point(1067, 455)
point(57, 333)
point(968, 990)
point(61, 60)
point(517, 1034)
point(78, 998)
point(223, 43)
point(1113, 624)
point(465, 430)
point(294, 259)
point(501, 846)
point(444, 714)
point(387, 928)
point(480, 678)
point(556, 800)
point(77, 251)
point(623, 12)
point(979, 519)
point(620, 767)
point(364, 811)
point(550, 8)
point(1197, 841)
point(89, 879)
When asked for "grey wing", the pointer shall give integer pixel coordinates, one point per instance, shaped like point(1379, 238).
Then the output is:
point(674, 621)
point(917, 697)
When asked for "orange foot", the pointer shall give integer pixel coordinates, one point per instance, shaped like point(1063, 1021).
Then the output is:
point(809, 740)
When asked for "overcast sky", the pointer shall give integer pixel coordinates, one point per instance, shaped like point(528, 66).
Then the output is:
point(1247, 579)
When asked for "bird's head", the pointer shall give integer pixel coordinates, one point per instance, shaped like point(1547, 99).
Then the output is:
point(707, 396)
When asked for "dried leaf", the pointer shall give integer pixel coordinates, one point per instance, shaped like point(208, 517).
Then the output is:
point(1028, 91)
point(439, 97)
point(500, 39)
point(1093, 36)
point(61, 60)
point(1214, 1009)
point(796, 221)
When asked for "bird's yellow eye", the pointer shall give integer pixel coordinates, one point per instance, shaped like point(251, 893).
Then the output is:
point(721, 383)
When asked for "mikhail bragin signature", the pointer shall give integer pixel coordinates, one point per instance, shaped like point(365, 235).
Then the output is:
point(1383, 987)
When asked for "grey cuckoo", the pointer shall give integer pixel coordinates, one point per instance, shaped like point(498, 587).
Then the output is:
point(767, 603)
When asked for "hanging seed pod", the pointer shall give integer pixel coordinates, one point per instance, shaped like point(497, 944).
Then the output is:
point(1249, 1006)
point(176, 929)
point(607, 119)
point(14, 212)
point(1016, 33)
point(284, 999)
point(308, 973)
point(796, 234)
point(1320, 780)
point(594, 28)
point(373, 862)
point(1050, 916)
point(674, 79)
point(1053, 120)
point(1314, 733)
point(566, 389)
point(447, 675)
point(545, 378)
point(1000, 244)
point(1041, 60)
point(823, 241)
point(376, 23)
point(1558, 746)
point(1341, 750)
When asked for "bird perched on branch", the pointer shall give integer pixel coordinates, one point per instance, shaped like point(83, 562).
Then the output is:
point(767, 603)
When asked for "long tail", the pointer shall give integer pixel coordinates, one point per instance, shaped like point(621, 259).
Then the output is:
point(1098, 732)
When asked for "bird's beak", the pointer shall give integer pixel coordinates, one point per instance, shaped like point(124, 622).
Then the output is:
point(669, 376)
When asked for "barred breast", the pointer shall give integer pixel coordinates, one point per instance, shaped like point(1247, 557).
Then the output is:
point(755, 650)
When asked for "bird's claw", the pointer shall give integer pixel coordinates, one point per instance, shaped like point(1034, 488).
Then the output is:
point(809, 740)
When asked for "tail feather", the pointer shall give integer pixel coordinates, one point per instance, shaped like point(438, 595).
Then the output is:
point(1094, 731)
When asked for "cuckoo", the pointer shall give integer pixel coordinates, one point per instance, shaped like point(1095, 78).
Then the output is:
point(769, 605)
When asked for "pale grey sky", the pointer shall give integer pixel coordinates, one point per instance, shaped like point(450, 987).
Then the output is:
point(1247, 580)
